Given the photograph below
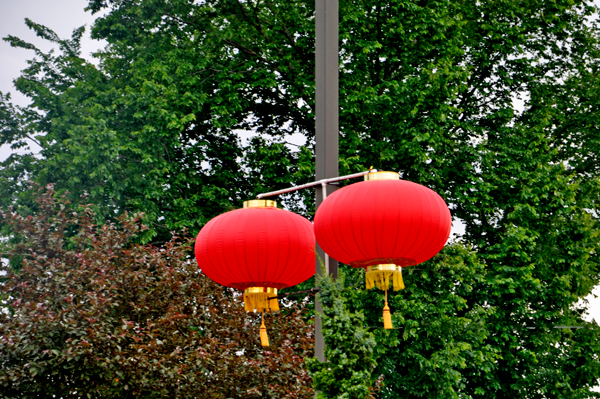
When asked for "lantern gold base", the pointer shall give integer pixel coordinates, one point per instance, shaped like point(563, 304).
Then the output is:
point(380, 276)
point(257, 298)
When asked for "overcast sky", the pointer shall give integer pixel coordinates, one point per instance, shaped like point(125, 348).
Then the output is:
point(63, 16)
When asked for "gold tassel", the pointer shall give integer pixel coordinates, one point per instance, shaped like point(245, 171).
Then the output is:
point(264, 338)
point(381, 278)
point(257, 298)
point(387, 316)
point(273, 304)
point(398, 282)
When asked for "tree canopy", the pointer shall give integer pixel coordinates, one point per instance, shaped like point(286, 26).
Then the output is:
point(197, 105)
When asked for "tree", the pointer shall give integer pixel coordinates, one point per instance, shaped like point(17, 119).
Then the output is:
point(160, 118)
point(89, 314)
point(429, 89)
point(349, 348)
point(440, 341)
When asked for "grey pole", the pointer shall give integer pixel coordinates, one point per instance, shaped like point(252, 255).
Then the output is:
point(327, 125)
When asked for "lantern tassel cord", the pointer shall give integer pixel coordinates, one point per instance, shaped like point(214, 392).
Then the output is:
point(387, 316)
point(264, 338)
point(381, 279)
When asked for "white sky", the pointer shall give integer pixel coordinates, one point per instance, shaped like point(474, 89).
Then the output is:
point(63, 16)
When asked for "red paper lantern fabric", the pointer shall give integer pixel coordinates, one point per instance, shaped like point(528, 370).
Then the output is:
point(383, 222)
point(257, 247)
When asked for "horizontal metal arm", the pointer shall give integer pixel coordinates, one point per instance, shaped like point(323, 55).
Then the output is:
point(321, 182)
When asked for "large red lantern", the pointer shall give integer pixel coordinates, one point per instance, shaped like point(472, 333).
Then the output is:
point(383, 224)
point(259, 249)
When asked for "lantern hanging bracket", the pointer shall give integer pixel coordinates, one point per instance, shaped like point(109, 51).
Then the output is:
point(323, 183)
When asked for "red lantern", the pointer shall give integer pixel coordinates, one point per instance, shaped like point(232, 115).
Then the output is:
point(383, 224)
point(259, 249)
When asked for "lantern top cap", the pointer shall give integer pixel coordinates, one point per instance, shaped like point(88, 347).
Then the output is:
point(382, 176)
point(260, 203)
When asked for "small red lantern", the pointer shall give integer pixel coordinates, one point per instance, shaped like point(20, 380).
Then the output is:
point(259, 249)
point(383, 224)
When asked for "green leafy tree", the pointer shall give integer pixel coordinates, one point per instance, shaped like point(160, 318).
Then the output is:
point(163, 111)
point(439, 343)
point(89, 314)
point(346, 374)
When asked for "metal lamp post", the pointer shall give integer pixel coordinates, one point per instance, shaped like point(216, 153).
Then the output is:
point(327, 122)
point(327, 131)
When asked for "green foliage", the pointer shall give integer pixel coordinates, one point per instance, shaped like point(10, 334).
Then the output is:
point(155, 127)
point(346, 374)
point(92, 315)
point(439, 340)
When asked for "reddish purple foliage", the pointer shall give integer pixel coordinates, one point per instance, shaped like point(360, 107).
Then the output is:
point(88, 314)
